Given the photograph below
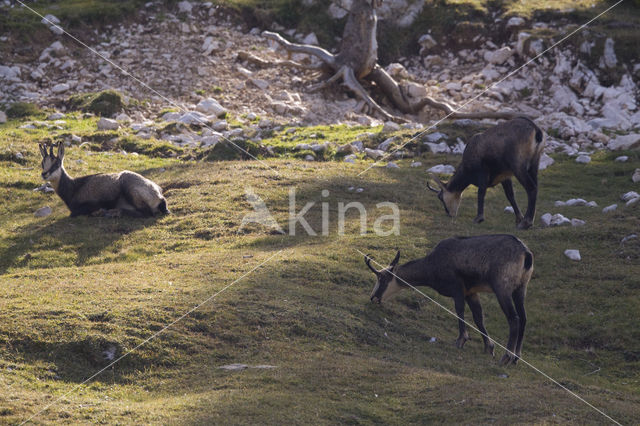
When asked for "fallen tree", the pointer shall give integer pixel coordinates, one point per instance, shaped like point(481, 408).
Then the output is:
point(357, 63)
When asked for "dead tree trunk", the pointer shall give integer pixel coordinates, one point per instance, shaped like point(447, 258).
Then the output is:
point(357, 61)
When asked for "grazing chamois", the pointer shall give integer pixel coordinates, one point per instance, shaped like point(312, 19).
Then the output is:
point(111, 194)
point(512, 148)
point(460, 268)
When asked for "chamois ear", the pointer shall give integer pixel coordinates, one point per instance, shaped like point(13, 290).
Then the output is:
point(395, 261)
point(60, 150)
point(43, 150)
point(50, 151)
point(367, 261)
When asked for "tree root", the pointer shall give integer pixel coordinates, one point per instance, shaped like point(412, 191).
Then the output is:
point(259, 62)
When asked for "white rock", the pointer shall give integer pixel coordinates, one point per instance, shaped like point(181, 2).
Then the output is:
point(210, 106)
point(416, 164)
point(171, 116)
point(609, 55)
point(508, 209)
point(319, 147)
point(545, 161)
point(50, 20)
point(560, 203)
point(435, 137)
point(185, 7)
point(632, 201)
point(194, 117)
point(392, 165)
point(426, 42)
point(629, 195)
point(443, 169)
point(373, 153)
point(3, 117)
point(337, 12)
point(573, 254)
point(635, 178)
point(514, 21)
point(559, 220)
point(576, 202)
point(624, 142)
point(59, 88)
point(577, 222)
point(390, 126)
point(259, 83)
point(309, 157)
point(438, 148)
point(621, 159)
point(610, 208)
point(592, 204)
point(351, 158)
point(311, 38)
point(384, 146)
point(55, 116)
point(416, 90)
point(302, 146)
point(232, 367)
point(123, 118)
point(499, 56)
point(546, 219)
point(57, 30)
point(42, 212)
point(583, 159)
point(107, 124)
point(628, 237)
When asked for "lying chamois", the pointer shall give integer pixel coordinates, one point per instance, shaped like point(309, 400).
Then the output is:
point(460, 268)
point(509, 149)
point(112, 194)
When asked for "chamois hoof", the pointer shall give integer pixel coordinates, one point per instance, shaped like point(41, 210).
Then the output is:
point(460, 341)
point(524, 224)
point(478, 219)
point(490, 350)
point(507, 359)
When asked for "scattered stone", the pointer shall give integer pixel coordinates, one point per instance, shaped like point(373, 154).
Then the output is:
point(443, 169)
point(546, 219)
point(545, 161)
point(559, 220)
point(392, 165)
point(210, 106)
point(433, 340)
point(592, 204)
point(629, 196)
point(629, 237)
point(194, 117)
point(499, 56)
point(107, 124)
point(438, 148)
point(373, 153)
point(42, 212)
point(636, 176)
point(259, 83)
point(514, 21)
point(384, 146)
point(123, 118)
point(509, 209)
point(632, 201)
point(3, 117)
point(351, 158)
point(609, 59)
point(583, 159)
point(624, 142)
point(185, 7)
point(573, 254)
point(309, 157)
point(416, 164)
point(576, 202)
point(55, 116)
point(577, 222)
point(610, 208)
point(358, 190)
point(622, 159)
point(390, 126)
point(426, 43)
point(435, 137)
point(50, 20)
point(59, 88)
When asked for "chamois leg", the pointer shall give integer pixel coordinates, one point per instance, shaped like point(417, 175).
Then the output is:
point(463, 336)
point(507, 185)
point(518, 299)
point(530, 183)
point(482, 191)
point(514, 325)
point(476, 309)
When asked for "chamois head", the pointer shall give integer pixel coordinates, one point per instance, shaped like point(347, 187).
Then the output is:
point(450, 200)
point(51, 164)
point(387, 283)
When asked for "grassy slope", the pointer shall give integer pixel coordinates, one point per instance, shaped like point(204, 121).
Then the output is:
point(73, 287)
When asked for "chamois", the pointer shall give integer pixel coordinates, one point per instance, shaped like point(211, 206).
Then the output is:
point(508, 149)
point(460, 268)
point(112, 194)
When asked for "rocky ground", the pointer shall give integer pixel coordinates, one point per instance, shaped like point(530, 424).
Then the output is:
point(187, 60)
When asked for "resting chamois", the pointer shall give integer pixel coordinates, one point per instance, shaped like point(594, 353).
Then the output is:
point(460, 268)
point(509, 149)
point(112, 194)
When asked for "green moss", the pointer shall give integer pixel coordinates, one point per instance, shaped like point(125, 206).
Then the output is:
point(240, 149)
point(23, 109)
point(106, 103)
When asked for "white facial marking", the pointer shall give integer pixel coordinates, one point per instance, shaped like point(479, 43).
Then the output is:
point(392, 288)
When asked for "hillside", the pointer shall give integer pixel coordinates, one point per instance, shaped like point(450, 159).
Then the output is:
point(294, 310)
